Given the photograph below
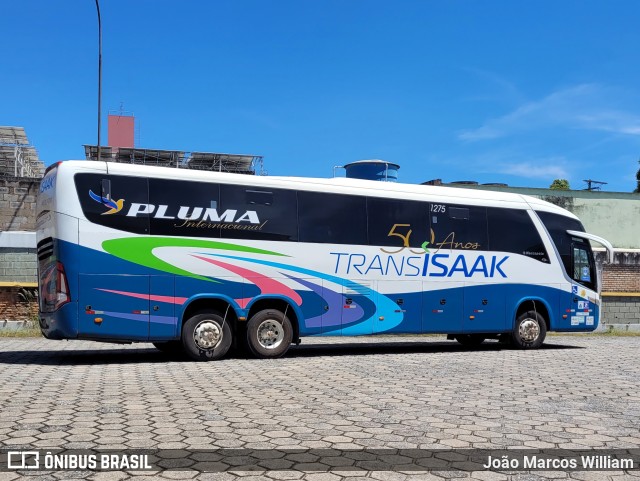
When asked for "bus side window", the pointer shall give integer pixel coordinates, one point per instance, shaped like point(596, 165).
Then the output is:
point(411, 219)
point(458, 227)
point(512, 230)
point(558, 225)
point(332, 218)
point(184, 208)
point(116, 201)
point(261, 213)
point(583, 266)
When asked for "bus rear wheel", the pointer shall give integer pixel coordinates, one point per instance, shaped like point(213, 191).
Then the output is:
point(470, 340)
point(269, 334)
point(206, 336)
point(529, 331)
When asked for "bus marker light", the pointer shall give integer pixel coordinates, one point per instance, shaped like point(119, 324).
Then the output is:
point(564, 316)
point(472, 317)
point(242, 318)
point(381, 318)
point(98, 320)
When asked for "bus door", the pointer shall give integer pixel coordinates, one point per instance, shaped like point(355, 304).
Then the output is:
point(359, 309)
point(405, 303)
point(484, 308)
point(113, 306)
point(442, 307)
point(583, 272)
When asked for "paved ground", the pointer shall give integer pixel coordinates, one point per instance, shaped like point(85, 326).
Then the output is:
point(351, 395)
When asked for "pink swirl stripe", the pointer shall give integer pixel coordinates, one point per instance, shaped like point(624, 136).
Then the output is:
point(264, 283)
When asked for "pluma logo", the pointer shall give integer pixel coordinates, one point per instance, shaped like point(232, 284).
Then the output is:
point(114, 206)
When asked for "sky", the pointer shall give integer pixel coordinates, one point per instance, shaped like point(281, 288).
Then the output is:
point(493, 91)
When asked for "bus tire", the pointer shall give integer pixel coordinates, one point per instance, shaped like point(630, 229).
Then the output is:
point(269, 334)
point(529, 331)
point(169, 347)
point(206, 336)
point(470, 340)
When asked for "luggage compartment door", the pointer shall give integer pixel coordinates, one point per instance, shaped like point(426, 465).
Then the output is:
point(113, 307)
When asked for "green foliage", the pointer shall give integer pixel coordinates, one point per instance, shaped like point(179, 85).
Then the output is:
point(27, 294)
point(560, 184)
point(637, 191)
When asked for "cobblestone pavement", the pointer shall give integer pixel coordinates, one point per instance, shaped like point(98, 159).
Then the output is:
point(352, 394)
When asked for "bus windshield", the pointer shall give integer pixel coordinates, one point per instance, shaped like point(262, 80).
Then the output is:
point(576, 253)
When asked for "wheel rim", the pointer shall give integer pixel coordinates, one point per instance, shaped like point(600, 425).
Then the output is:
point(270, 334)
point(529, 330)
point(207, 335)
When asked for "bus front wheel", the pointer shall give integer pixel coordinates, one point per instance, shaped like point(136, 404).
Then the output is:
point(206, 336)
point(269, 334)
point(529, 331)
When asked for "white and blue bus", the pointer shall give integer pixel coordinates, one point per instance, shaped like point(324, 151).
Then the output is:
point(203, 261)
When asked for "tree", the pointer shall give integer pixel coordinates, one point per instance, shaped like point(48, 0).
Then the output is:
point(637, 191)
point(560, 184)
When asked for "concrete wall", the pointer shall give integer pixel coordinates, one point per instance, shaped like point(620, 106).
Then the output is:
point(18, 203)
point(18, 266)
point(621, 312)
point(614, 216)
point(17, 213)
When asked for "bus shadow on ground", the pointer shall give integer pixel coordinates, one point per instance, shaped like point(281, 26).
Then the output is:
point(145, 355)
point(366, 349)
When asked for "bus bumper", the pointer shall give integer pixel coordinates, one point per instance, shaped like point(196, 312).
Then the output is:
point(60, 324)
point(578, 323)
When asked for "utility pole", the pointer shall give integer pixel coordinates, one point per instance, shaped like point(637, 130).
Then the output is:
point(99, 74)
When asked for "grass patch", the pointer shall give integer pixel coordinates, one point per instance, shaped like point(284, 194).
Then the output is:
point(618, 332)
point(30, 332)
point(607, 333)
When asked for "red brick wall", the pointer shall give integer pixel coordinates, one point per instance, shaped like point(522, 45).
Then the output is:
point(13, 308)
point(617, 278)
